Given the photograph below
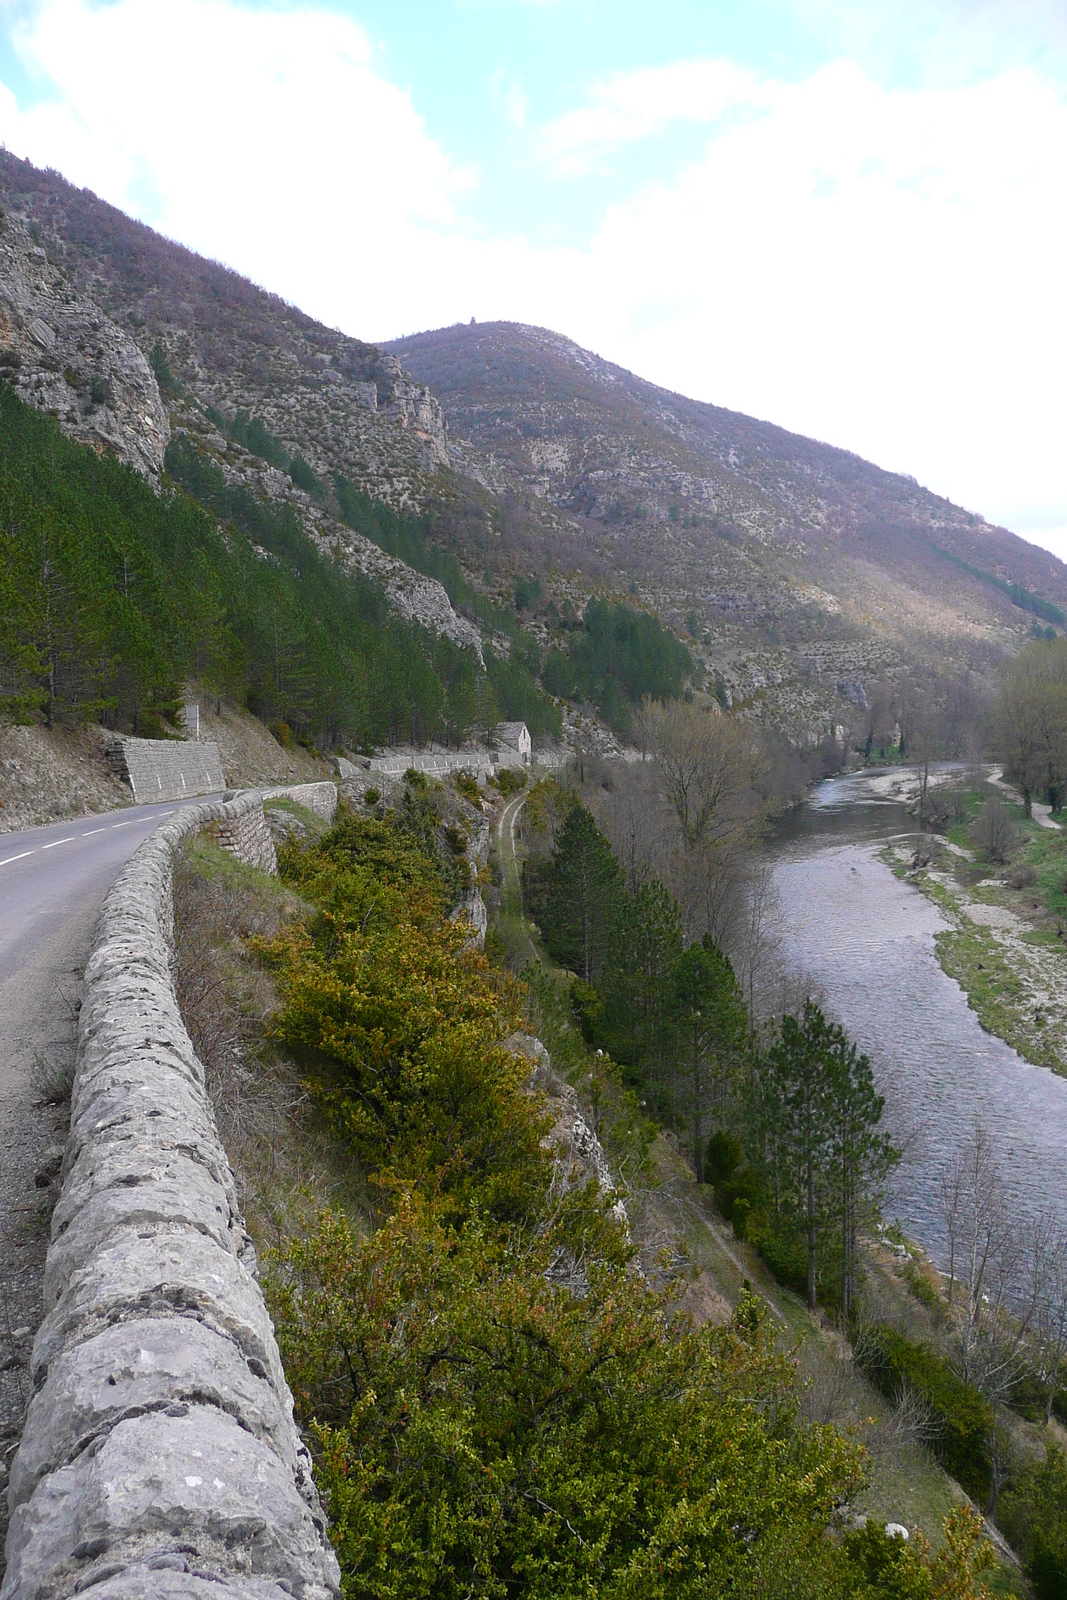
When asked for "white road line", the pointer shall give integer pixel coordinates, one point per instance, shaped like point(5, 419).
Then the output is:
point(126, 824)
point(68, 840)
point(89, 833)
point(16, 858)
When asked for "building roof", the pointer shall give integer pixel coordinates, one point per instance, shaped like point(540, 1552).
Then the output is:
point(511, 732)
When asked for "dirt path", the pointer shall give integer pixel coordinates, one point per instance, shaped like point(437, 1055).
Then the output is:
point(510, 873)
point(1041, 814)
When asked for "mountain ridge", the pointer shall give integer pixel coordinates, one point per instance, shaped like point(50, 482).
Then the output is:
point(736, 527)
point(799, 574)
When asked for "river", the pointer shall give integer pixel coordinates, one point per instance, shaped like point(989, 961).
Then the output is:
point(867, 939)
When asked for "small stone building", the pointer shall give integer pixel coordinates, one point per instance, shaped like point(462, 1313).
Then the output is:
point(515, 747)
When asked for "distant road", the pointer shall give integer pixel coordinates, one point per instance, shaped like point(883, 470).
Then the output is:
point(52, 883)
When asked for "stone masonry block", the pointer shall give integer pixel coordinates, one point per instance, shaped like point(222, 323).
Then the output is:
point(194, 1478)
point(167, 1576)
point(137, 1367)
point(171, 1192)
point(161, 1272)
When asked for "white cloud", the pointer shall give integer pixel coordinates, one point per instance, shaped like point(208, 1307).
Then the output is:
point(878, 268)
point(638, 105)
point(263, 138)
point(883, 268)
point(510, 98)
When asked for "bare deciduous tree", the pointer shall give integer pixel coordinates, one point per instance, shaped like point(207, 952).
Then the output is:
point(754, 940)
point(992, 1267)
point(1050, 1322)
point(707, 764)
point(994, 832)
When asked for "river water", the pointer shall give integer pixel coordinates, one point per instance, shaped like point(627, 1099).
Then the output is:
point(867, 939)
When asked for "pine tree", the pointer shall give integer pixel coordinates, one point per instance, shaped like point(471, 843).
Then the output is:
point(646, 940)
point(576, 896)
point(819, 1105)
point(710, 1029)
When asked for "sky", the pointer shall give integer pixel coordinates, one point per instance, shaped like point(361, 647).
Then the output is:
point(848, 219)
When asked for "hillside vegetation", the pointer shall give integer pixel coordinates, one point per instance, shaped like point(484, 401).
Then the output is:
point(800, 573)
point(499, 1403)
point(112, 596)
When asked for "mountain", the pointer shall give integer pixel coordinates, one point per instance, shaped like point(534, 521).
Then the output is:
point(805, 571)
point(61, 355)
point(491, 479)
point(224, 348)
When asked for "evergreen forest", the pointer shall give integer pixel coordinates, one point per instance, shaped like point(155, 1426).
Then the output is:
point(112, 597)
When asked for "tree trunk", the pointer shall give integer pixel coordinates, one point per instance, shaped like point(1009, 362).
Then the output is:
point(810, 1232)
point(848, 1248)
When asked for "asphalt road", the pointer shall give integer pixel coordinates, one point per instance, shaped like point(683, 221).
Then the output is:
point(52, 883)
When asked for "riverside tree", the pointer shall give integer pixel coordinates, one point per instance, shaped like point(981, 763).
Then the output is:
point(818, 1118)
point(637, 1018)
point(1030, 718)
point(711, 1035)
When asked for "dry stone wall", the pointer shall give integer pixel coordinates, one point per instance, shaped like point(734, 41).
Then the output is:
point(160, 1456)
point(166, 769)
point(319, 798)
point(244, 833)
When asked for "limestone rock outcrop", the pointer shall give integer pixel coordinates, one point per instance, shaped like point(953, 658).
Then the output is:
point(61, 354)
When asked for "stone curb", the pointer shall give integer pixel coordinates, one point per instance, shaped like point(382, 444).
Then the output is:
point(160, 1456)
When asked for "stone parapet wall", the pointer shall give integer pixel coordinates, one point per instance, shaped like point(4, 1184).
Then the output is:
point(439, 763)
point(319, 798)
point(436, 764)
point(160, 1456)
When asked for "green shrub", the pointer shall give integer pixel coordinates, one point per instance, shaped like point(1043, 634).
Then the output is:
point(587, 1007)
point(1033, 1514)
point(371, 797)
point(101, 393)
point(509, 780)
point(304, 477)
point(482, 1430)
point(415, 779)
point(466, 784)
point(456, 839)
point(782, 1247)
point(725, 1154)
point(921, 1287)
point(964, 1418)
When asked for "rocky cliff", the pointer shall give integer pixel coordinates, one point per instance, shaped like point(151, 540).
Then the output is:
point(798, 574)
point(63, 355)
point(92, 298)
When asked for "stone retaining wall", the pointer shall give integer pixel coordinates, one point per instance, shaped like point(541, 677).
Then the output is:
point(160, 1457)
point(246, 836)
point(166, 769)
